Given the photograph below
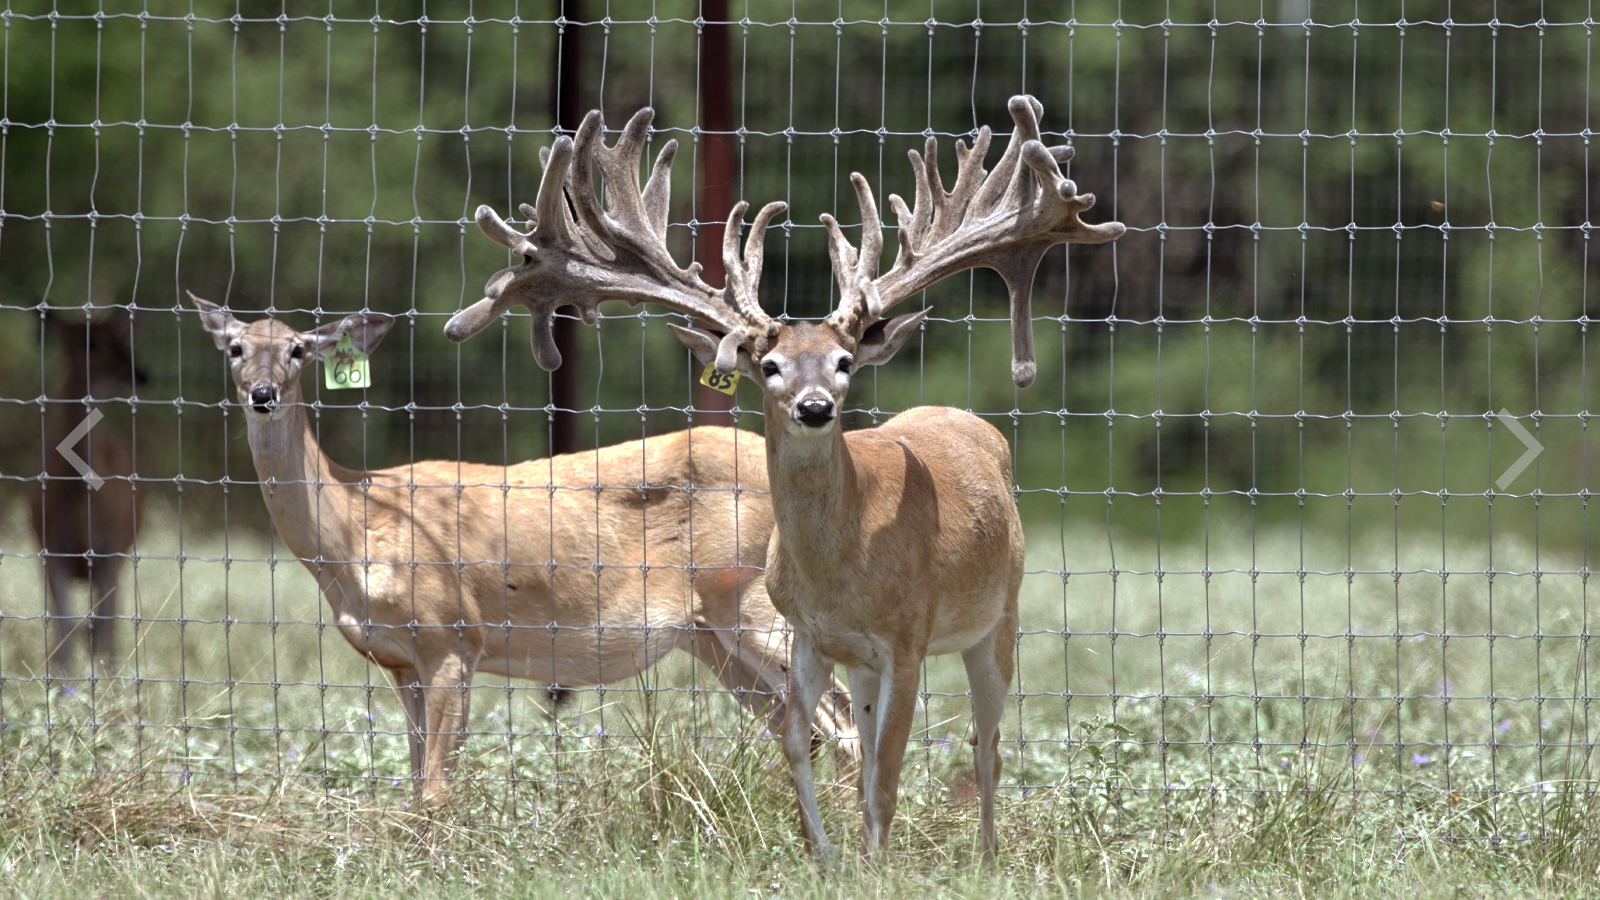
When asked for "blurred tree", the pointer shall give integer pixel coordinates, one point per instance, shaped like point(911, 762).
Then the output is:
point(1339, 218)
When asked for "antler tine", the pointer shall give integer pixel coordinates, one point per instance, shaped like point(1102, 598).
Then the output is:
point(549, 206)
point(840, 253)
point(501, 233)
point(755, 252)
point(1024, 112)
point(744, 276)
point(735, 269)
point(619, 168)
point(580, 253)
point(970, 175)
point(871, 230)
point(858, 300)
point(1003, 220)
point(743, 291)
point(658, 190)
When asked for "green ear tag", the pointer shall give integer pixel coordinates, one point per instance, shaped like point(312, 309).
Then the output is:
point(725, 383)
point(346, 366)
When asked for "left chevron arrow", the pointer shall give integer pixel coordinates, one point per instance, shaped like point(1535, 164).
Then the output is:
point(67, 443)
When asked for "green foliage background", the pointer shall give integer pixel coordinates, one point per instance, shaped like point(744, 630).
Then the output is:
point(1257, 469)
point(1307, 207)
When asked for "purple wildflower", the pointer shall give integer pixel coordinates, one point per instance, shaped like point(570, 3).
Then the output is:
point(1421, 760)
point(1504, 726)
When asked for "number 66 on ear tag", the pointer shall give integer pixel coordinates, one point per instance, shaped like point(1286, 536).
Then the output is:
point(717, 381)
point(345, 366)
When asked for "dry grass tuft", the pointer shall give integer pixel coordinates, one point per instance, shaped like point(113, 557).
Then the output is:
point(243, 748)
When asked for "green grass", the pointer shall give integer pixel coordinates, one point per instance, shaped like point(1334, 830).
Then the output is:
point(1237, 734)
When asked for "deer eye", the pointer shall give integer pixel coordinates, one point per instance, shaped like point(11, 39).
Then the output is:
point(769, 368)
point(235, 350)
point(298, 351)
point(845, 364)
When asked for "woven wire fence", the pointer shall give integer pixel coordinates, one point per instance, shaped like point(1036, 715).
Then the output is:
point(1281, 527)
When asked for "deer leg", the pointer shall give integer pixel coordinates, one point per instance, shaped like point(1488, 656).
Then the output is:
point(737, 661)
point(834, 721)
point(749, 662)
point(408, 687)
point(989, 674)
point(101, 623)
point(898, 697)
point(866, 696)
point(749, 659)
point(65, 626)
point(809, 674)
point(448, 684)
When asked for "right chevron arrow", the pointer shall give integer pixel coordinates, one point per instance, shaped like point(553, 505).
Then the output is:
point(1534, 448)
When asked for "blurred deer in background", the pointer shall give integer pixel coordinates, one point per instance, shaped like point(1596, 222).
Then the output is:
point(894, 542)
point(86, 530)
point(578, 570)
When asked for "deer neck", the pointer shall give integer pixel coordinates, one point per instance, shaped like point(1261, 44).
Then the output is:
point(307, 493)
point(815, 494)
point(74, 385)
point(74, 400)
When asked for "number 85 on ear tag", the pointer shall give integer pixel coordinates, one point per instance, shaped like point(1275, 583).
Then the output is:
point(345, 366)
point(717, 381)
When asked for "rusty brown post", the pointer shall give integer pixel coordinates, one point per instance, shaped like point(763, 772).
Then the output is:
point(566, 100)
point(716, 174)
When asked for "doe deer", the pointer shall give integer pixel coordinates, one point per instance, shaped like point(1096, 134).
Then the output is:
point(893, 542)
point(579, 569)
point(86, 529)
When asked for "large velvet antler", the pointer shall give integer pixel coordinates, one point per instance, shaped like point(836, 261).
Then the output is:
point(579, 253)
point(1003, 220)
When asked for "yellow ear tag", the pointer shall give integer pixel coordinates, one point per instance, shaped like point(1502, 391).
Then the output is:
point(725, 383)
point(346, 366)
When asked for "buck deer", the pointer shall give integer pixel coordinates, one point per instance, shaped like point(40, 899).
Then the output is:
point(893, 542)
point(86, 528)
point(580, 569)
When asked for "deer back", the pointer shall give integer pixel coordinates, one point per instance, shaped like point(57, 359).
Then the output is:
point(607, 537)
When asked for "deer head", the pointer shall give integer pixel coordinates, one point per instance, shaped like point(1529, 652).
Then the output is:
point(266, 356)
point(96, 359)
point(580, 253)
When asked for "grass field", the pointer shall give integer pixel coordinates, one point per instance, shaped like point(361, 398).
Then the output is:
point(1229, 727)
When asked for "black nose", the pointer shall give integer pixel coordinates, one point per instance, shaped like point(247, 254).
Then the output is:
point(263, 397)
point(815, 411)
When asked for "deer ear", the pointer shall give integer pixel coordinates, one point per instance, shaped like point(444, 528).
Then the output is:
point(366, 330)
point(883, 339)
point(221, 324)
point(704, 344)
